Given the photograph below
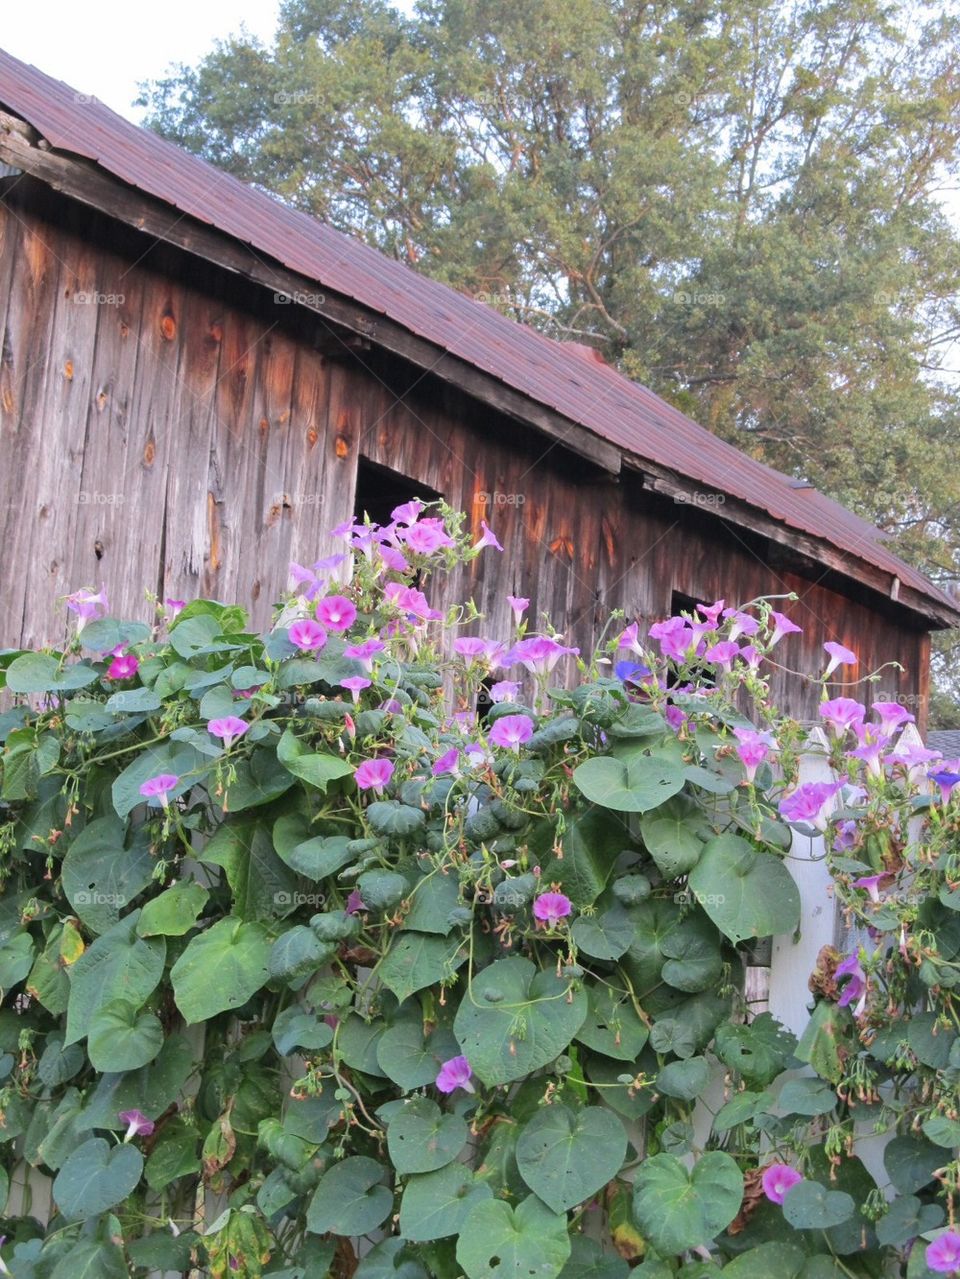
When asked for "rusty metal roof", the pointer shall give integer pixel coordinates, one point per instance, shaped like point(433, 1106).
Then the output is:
point(565, 377)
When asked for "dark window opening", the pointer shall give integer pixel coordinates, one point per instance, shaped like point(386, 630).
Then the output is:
point(380, 490)
point(484, 700)
point(680, 603)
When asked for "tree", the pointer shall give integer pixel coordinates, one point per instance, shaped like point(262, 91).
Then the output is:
point(739, 204)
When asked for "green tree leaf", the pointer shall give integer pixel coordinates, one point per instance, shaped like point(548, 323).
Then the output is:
point(119, 965)
point(350, 1198)
point(96, 1177)
point(422, 1138)
point(102, 872)
point(416, 960)
point(120, 1037)
point(436, 1204)
point(174, 912)
point(810, 1206)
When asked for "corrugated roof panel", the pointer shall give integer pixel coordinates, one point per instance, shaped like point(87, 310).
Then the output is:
point(561, 376)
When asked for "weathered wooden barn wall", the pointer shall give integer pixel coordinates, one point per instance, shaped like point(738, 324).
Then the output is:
point(166, 427)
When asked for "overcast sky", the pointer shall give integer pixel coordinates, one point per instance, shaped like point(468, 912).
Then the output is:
point(106, 47)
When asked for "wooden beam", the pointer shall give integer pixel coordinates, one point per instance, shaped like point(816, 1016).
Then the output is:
point(20, 145)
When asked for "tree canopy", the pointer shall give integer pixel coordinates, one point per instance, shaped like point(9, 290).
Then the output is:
point(742, 205)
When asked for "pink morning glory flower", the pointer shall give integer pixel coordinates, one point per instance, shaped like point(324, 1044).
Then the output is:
point(408, 513)
point(809, 803)
point(476, 754)
point(539, 654)
point(722, 654)
point(519, 605)
point(743, 623)
point(447, 763)
point(123, 667)
point(630, 639)
point(475, 648)
point(869, 882)
point(839, 656)
point(845, 837)
point(355, 684)
point(511, 731)
point(550, 908)
point(137, 1124)
point(872, 743)
point(943, 1255)
point(842, 713)
point(752, 656)
point(487, 538)
point(229, 728)
point(411, 601)
point(782, 626)
point(373, 774)
point(777, 1180)
point(675, 717)
point(454, 1074)
point(393, 559)
point(355, 903)
point(892, 716)
point(175, 607)
point(427, 536)
point(308, 635)
point(87, 606)
point(752, 748)
point(504, 690)
point(856, 987)
point(303, 581)
point(336, 612)
point(366, 651)
point(712, 612)
point(159, 787)
point(674, 636)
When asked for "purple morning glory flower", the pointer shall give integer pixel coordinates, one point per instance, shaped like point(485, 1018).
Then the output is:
point(427, 536)
point(159, 787)
point(373, 774)
point(511, 731)
point(487, 539)
point(808, 803)
point(871, 748)
point(722, 654)
point(946, 780)
point(87, 606)
point(712, 611)
point(137, 1124)
point(842, 713)
point(743, 623)
point(839, 656)
point(355, 903)
point(943, 1255)
point(856, 987)
point(123, 667)
point(674, 636)
point(539, 654)
point(752, 748)
point(777, 1180)
point(447, 763)
point(782, 626)
point(355, 684)
point(869, 882)
point(175, 607)
point(519, 605)
point(892, 716)
point(549, 908)
point(631, 672)
point(365, 652)
point(505, 690)
point(454, 1074)
point(229, 728)
point(408, 513)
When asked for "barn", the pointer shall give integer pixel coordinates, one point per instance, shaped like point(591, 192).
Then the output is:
point(197, 382)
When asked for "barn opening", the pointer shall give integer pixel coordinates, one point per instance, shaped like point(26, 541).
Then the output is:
point(380, 490)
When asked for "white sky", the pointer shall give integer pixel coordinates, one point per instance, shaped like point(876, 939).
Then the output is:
point(106, 47)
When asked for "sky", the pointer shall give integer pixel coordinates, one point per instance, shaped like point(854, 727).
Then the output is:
point(106, 47)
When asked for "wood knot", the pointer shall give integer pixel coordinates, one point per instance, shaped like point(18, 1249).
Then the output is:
point(98, 549)
point(264, 426)
point(149, 452)
point(312, 436)
point(341, 446)
point(168, 326)
point(68, 370)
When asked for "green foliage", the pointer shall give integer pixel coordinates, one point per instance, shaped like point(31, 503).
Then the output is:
point(466, 1018)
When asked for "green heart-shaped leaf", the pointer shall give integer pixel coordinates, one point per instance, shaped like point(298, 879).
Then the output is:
point(421, 1138)
point(350, 1198)
point(120, 1038)
point(677, 1209)
point(745, 892)
point(500, 1242)
point(237, 954)
point(96, 1177)
point(566, 1156)
point(810, 1206)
